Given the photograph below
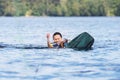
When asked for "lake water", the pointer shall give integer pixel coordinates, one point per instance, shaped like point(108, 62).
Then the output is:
point(101, 63)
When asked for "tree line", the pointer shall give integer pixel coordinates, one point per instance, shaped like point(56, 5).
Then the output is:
point(59, 7)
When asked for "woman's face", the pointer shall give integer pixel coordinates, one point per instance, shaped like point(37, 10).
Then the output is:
point(57, 38)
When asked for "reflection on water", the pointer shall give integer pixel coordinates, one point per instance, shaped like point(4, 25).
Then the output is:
point(22, 56)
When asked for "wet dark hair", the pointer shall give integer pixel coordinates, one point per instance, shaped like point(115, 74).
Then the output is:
point(57, 33)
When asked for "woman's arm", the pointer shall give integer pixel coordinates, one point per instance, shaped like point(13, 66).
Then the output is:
point(62, 43)
point(48, 41)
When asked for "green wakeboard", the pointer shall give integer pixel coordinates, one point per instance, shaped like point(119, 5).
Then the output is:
point(83, 41)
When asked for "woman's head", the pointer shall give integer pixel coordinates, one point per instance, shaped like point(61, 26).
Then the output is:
point(57, 37)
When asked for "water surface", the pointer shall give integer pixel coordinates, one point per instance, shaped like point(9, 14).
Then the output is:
point(101, 63)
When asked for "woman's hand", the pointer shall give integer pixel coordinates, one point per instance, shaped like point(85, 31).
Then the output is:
point(65, 40)
point(62, 43)
point(48, 40)
point(48, 35)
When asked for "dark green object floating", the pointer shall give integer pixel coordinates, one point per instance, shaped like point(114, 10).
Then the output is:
point(83, 41)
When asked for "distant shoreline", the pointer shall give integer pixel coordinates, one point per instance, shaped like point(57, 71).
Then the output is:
point(59, 16)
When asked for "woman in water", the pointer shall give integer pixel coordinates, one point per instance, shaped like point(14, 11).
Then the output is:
point(58, 41)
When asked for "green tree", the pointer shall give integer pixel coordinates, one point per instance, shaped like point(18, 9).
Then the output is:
point(1, 7)
point(60, 7)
